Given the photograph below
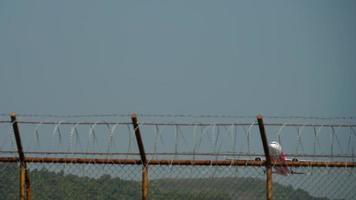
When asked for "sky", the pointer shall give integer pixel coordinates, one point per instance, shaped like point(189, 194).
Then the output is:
point(220, 57)
point(279, 58)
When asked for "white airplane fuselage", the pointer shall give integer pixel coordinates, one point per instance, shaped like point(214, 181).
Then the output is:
point(276, 154)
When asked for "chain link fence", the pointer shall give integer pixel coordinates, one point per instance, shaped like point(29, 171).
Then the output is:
point(9, 181)
point(322, 183)
point(214, 159)
point(117, 181)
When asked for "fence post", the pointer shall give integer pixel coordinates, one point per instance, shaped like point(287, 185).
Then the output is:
point(268, 158)
point(143, 156)
point(25, 185)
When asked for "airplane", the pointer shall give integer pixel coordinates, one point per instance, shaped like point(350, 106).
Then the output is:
point(276, 154)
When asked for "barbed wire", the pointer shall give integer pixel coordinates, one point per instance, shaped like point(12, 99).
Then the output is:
point(330, 139)
point(178, 150)
point(176, 116)
point(277, 124)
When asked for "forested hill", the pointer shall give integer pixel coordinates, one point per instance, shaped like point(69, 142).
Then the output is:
point(48, 185)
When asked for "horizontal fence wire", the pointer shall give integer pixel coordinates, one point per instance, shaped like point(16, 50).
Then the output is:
point(188, 157)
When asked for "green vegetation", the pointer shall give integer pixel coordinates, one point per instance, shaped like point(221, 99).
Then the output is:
point(49, 185)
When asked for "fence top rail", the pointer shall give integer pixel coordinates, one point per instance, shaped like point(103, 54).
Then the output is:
point(101, 122)
point(182, 162)
point(227, 154)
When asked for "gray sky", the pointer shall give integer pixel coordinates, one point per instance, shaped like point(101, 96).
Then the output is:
point(197, 57)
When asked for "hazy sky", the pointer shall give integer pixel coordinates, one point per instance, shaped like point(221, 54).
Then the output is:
point(198, 57)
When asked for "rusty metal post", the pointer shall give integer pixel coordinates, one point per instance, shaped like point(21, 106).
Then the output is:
point(22, 183)
point(268, 158)
point(143, 156)
point(25, 185)
point(28, 184)
point(145, 182)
